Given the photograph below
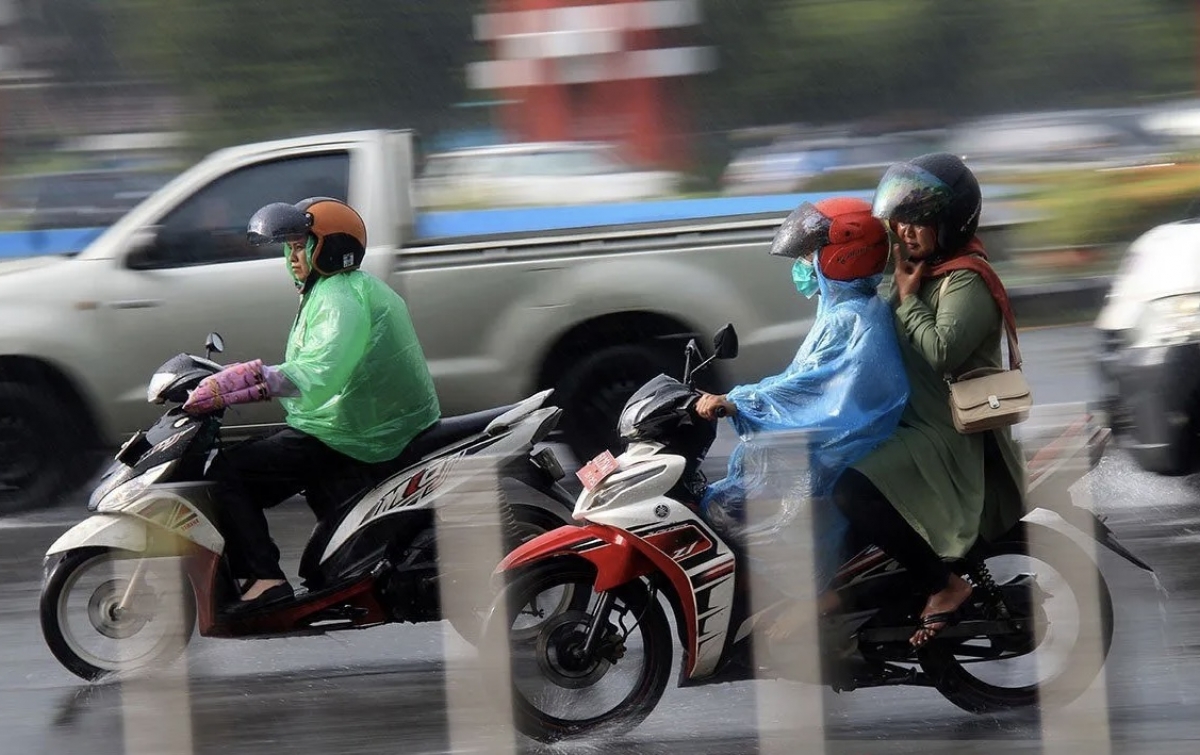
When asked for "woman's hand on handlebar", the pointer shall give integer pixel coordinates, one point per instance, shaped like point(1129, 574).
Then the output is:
point(711, 407)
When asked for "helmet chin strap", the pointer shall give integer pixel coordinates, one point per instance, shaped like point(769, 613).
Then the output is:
point(303, 287)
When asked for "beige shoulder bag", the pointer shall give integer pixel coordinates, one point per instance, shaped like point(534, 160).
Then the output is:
point(988, 398)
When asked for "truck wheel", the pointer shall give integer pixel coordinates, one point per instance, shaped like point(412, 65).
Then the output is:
point(594, 390)
point(42, 455)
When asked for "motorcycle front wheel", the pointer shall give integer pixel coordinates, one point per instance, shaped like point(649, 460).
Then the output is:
point(558, 689)
point(109, 612)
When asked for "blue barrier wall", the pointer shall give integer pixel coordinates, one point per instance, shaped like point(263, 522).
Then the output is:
point(448, 224)
point(57, 241)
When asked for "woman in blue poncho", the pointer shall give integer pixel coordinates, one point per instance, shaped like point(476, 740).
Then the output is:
point(843, 392)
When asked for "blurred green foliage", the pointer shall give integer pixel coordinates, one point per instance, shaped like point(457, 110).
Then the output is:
point(283, 66)
point(277, 68)
point(1099, 207)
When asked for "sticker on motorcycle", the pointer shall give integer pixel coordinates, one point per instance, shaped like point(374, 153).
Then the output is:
point(414, 489)
point(597, 470)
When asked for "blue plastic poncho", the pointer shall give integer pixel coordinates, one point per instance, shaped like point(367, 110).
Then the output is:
point(844, 392)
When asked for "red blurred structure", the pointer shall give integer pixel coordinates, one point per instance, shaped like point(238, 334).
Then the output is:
point(607, 71)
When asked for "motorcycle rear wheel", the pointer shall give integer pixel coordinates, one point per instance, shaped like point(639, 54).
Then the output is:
point(108, 624)
point(575, 679)
point(951, 672)
point(529, 523)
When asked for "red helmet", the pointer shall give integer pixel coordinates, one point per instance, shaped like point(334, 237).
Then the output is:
point(851, 242)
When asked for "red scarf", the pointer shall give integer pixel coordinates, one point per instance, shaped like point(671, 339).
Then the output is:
point(974, 257)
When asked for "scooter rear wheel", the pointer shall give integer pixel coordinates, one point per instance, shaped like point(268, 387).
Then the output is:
point(89, 632)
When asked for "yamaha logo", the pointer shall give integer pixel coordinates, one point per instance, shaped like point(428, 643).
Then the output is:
point(661, 511)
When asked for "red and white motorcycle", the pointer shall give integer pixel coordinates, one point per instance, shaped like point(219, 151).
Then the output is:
point(602, 661)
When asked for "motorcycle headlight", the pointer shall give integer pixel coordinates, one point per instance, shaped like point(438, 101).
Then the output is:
point(159, 383)
point(1169, 321)
point(129, 491)
point(609, 490)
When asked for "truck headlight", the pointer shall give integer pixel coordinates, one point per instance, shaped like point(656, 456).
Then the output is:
point(1169, 321)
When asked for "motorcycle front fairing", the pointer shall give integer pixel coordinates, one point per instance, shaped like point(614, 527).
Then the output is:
point(176, 436)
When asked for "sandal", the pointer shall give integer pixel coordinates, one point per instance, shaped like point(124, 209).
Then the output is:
point(926, 624)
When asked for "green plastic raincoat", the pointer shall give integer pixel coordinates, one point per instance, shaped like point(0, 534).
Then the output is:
point(353, 354)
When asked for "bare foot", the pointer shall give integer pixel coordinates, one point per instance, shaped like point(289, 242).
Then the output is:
point(945, 601)
point(260, 586)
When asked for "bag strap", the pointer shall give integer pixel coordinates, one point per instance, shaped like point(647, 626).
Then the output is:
point(985, 271)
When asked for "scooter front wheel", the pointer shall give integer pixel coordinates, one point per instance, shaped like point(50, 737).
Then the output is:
point(107, 611)
point(566, 678)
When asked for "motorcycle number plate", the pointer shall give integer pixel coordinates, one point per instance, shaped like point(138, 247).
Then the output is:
point(595, 471)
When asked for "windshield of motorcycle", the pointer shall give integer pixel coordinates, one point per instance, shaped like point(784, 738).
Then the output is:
point(660, 398)
point(175, 377)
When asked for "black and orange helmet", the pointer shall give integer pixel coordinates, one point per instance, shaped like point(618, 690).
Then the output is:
point(338, 232)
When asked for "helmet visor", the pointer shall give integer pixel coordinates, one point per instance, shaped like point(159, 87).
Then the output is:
point(908, 194)
point(802, 234)
point(278, 223)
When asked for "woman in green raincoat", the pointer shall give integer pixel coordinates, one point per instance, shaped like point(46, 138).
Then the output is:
point(929, 492)
point(354, 383)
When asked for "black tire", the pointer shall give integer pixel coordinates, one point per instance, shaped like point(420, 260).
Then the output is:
point(533, 521)
point(42, 449)
point(61, 578)
point(593, 391)
point(624, 715)
point(972, 694)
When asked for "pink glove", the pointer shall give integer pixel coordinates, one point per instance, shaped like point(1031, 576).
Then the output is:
point(240, 383)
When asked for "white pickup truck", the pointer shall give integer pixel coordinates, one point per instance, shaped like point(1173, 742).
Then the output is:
point(502, 307)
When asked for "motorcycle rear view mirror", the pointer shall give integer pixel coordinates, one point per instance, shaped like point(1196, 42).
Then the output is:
point(691, 350)
point(725, 342)
point(214, 344)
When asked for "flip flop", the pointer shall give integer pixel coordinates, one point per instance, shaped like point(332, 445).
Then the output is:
point(945, 618)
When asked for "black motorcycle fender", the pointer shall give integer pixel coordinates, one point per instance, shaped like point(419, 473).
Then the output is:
point(553, 498)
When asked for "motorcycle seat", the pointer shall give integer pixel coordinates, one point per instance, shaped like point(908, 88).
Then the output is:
point(450, 430)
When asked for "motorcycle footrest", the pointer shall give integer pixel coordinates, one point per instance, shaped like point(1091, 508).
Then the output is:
point(961, 630)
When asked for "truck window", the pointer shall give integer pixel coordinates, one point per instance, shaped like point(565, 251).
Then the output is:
point(209, 227)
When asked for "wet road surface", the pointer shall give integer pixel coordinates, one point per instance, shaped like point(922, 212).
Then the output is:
point(384, 690)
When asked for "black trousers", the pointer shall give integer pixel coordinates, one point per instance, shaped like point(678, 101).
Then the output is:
point(874, 519)
point(259, 474)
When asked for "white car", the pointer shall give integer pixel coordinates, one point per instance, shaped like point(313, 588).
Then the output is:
point(548, 173)
point(1150, 350)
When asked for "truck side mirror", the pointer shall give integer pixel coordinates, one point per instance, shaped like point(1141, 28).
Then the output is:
point(143, 249)
point(725, 343)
